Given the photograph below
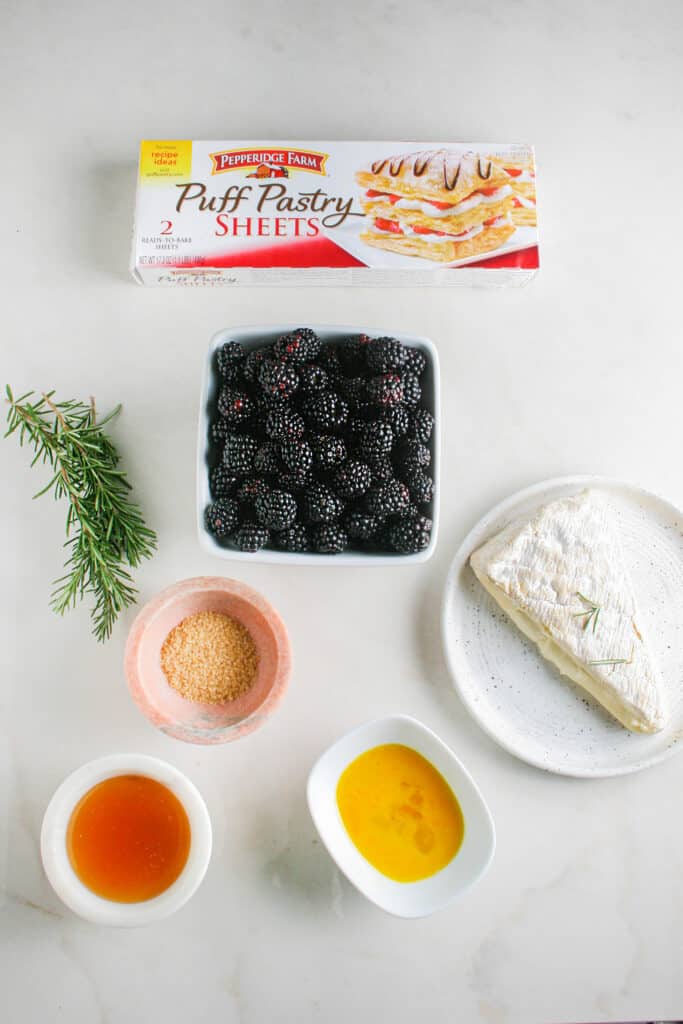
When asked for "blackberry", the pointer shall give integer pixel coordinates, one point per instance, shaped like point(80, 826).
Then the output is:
point(388, 499)
point(238, 454)
point(365, 412)
point(221, 483)
point(385, 354)
point(412, 455)
point(251, 537)
point(309, 337)
point(326, 411)
point(253, 363)
point(362, 526)
point(329, 539)
point(408, 536)
point(275, 509)
point(328, 451)
point(413, 512)
point(295, 481)
point(424, 522)
point(421, 486)
point(376, 439)
point(251, 490)
point(289, 350)
point(297, 456)
point(352, 479)
point(284, 424)
point(398, 418)
point(330, 361)
point(321, 504)
point(235, 406)
point(312, 378)
point(355, 428)
point(294, 538)
point(221, 517)
point(354, 390)
point(386, 390)
point(230, 361)
point(278, 379)
point(381, 469)
point(335, 383)
point(415, 361)
point(298, 347)
point(412, 392)
point(421, 426)
point(267, 459)
point(263, 404)
point(352, 354)
point(219, 430)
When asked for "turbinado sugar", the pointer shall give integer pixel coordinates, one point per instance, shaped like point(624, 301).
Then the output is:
point(210, 658)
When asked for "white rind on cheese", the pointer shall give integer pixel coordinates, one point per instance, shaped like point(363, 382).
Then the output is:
point(535, 569)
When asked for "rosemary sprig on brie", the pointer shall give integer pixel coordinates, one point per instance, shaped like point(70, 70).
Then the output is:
point(614, 661)
point(592, 611)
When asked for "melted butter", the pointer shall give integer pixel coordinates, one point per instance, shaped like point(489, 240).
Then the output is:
point(400, 812)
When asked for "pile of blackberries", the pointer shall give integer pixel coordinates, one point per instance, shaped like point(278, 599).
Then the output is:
point(321, 446)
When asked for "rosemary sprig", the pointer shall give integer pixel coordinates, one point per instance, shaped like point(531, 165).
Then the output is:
point(591, 612)
point(614, 661)
point(106, 533)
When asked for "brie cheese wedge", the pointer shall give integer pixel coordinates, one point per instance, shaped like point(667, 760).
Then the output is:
point(560, 576)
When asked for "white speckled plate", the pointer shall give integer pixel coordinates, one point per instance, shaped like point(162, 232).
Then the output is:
point(516, 696)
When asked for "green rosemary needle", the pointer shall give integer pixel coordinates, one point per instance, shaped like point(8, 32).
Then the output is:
point(614, 661)
point(106, 533)
point(591, 613)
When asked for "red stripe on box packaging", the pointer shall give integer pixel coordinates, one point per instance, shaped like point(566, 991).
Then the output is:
point(322, 252)
point(316, 252)
point(523, 258)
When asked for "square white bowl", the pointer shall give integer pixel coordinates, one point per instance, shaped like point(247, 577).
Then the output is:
point(255, 337)
point(403, 899)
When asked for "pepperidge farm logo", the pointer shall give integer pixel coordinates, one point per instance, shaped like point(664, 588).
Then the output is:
point(268, 163)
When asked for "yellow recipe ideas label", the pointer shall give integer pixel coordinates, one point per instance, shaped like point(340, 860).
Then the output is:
point(165, 159)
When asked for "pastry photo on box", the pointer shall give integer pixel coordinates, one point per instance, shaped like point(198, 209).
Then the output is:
point(450, 205)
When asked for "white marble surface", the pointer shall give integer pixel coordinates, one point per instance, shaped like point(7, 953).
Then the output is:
point(580, 917)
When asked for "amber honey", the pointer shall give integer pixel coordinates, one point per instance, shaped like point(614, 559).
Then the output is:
point(128, 838)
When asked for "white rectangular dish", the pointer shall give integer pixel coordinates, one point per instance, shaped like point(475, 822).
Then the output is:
point(253, 337)
point(403, 899)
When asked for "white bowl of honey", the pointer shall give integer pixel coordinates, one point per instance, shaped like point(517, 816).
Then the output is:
point(401, 816)
point(126, 840)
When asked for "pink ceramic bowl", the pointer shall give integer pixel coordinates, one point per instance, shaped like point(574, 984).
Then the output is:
point(207, 723)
